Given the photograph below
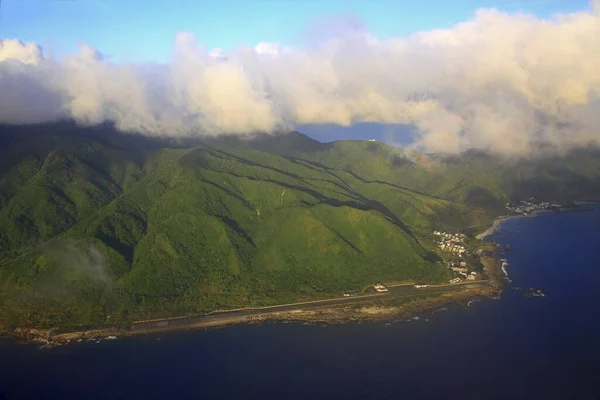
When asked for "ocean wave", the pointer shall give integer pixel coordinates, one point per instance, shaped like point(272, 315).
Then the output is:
point(504, 265)
point(472, 301)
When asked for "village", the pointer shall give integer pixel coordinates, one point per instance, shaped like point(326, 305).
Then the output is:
point(526, 207)
point(453, 243)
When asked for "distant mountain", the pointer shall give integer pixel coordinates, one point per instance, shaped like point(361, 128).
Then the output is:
point(393, 134)
point(99, 227)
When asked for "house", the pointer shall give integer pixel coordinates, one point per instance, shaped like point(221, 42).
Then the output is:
point(455, 280)
point(380, 287)
point(463, 264)
point(458, 269)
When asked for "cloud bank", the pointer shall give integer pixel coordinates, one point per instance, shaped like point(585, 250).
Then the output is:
point(500, 82)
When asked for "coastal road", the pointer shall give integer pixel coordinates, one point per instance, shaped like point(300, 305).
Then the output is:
point(394, 292)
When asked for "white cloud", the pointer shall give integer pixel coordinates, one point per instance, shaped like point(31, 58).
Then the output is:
point(500, 81)
point(218, 54)
point(16, 50)
point(267, 48)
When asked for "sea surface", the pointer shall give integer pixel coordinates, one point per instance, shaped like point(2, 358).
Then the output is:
point(512, 348)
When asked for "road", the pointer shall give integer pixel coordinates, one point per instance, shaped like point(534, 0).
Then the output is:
point(394, 292)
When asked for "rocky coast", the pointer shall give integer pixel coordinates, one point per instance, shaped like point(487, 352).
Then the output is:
point(375, 310)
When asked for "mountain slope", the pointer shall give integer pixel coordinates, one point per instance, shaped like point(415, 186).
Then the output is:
point(100, 228)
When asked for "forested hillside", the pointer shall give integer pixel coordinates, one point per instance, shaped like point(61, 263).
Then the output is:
point(99, 227)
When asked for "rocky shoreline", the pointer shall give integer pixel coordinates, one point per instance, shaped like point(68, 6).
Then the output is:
point(493, 266)
point(331, 315)
point(334, 315)
point(383, 313)
point(52, 337)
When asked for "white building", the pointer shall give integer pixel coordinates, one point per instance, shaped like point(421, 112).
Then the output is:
point(380, 287)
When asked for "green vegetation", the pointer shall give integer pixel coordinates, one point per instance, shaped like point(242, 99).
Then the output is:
point(100, 228)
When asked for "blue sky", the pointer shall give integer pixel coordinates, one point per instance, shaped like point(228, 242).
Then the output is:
point(143, 30)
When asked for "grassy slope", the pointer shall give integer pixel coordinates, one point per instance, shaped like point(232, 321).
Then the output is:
point(97, 224)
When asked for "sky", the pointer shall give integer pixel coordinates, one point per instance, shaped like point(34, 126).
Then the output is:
point(502, 76)
point(144, 30)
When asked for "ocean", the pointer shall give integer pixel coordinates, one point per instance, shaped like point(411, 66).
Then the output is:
point(515, 347)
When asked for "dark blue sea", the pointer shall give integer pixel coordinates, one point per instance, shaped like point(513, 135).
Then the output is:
point(512, 348)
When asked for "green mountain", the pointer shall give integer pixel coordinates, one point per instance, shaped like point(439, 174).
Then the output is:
point(100, 228)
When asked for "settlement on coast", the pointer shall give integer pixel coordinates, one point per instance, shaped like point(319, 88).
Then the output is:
point(523, 208)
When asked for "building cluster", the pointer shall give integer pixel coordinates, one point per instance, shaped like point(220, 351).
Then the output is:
point(472, 276)
point(461, 268)
point(460, 271)
point(451, 242)
point(526, 207)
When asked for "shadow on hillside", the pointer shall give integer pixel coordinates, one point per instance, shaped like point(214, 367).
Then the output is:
point(324, 168)
point(361, 203)
point(231, 223)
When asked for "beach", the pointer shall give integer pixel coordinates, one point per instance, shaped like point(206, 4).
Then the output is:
point(490, 231)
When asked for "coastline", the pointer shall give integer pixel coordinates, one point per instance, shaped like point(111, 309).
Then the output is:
point(498, 221)
point(375, 310)
point(368, 312)
point(376, 313)
point(579, 206)
point(328, 315)
point(450, 343)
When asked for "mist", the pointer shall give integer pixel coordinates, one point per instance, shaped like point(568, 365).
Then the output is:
point(85, 262)
point(500, 82)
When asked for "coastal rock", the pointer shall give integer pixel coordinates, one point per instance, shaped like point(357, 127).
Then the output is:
point(68, 337)
point(43, 333)
point(533, 292)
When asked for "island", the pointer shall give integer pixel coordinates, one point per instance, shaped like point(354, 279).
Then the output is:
point(105, 233)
